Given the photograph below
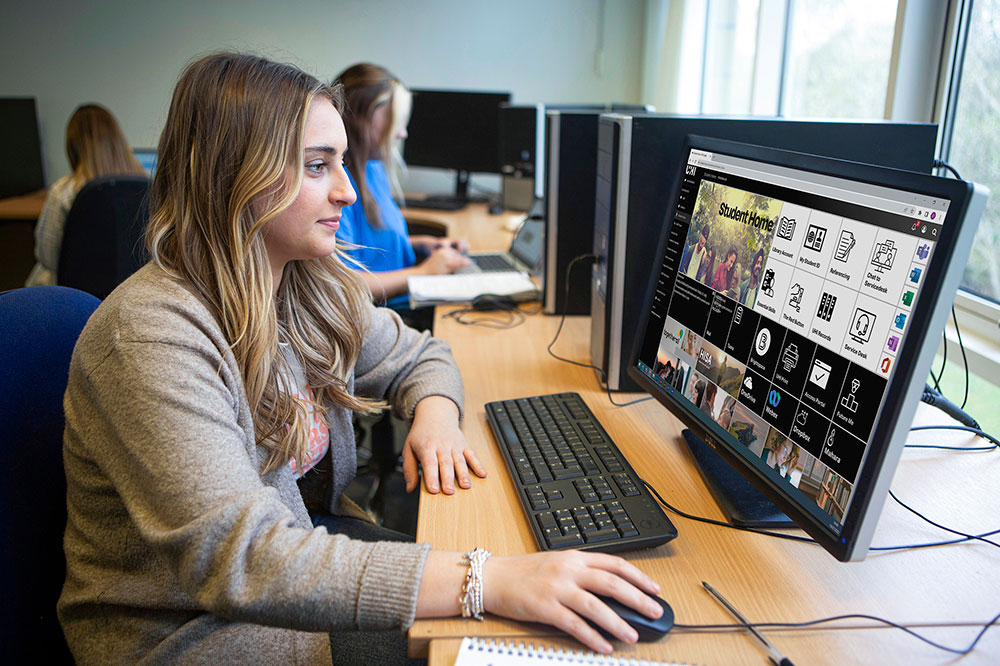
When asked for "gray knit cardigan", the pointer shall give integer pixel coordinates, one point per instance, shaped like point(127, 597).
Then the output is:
point(179, 549)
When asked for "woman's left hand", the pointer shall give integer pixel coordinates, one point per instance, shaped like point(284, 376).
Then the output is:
point(438, 445)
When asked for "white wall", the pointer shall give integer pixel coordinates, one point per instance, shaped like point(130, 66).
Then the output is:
point(127, 54)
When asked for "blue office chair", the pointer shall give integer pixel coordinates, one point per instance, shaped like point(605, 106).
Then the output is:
point(103, 240)
point(38, 327)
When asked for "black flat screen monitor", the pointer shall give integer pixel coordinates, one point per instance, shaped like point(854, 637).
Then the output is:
point(20, 147)
point(455, 129)
point(803, 375)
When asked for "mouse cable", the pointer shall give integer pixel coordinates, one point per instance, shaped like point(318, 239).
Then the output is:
point(995, 443)
point(604, 375)
point(515, 317)
point(805, 539)
point(706, 628)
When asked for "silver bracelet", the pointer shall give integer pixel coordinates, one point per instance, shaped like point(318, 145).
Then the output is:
point(472, 589)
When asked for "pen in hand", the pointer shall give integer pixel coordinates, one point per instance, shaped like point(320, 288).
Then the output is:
point(776, 657)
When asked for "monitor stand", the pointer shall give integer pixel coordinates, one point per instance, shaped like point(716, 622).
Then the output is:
point(743, 504)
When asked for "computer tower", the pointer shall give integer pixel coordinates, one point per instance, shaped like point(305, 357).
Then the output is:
point(522, 154)
point(570, 172)
point(634, 173)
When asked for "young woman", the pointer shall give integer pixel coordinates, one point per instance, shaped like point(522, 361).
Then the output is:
point(228, 366)
point(378, 109)
point(723, 274)
point(95, 146)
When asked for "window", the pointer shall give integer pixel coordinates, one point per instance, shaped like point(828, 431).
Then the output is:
point(975, 140)
point(858, 59)
point(795, 58)
point(838, 57)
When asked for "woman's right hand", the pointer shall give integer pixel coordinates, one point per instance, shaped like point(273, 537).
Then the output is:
point(443, 260)
point(558, 588)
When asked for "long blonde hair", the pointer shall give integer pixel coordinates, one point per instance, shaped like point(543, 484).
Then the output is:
point(96, 145)
point(367, 87)
point(231, 159)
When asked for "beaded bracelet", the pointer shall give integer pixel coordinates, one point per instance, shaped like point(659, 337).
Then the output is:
point(472, 589)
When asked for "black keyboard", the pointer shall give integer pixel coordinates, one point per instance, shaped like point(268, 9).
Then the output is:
point(438, 202)
point(575, 485)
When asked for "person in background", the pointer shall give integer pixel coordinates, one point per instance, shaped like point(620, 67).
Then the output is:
point(694, 253)
point(707, 266)
point(724, 272)
point(748, 288)
point(95, 146)
point(378, 110)
point(734, 281)
point(228, 368)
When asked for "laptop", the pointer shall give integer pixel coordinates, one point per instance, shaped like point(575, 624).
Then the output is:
point(524, 255)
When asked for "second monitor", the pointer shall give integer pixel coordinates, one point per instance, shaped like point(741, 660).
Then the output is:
point(458, 130)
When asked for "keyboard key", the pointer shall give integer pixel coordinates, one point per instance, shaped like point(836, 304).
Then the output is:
point(564, 541)
point(601, 535)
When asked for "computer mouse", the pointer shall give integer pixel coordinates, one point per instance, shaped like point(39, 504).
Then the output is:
point(489, 302)
point(648, 629)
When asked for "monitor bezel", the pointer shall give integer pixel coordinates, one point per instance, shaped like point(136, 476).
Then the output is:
point(905, 387)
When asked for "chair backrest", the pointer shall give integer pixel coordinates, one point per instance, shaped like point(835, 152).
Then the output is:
point(38, 327)
point(103, 237)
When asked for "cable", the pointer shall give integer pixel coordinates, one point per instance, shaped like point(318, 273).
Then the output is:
point(935, 399)
point(722, 523)
point(944, 359)
point(604, 375)
point(939, 525)
point(836, 618)
point(965, 359)
point(976, 431)
point(810, 540)
point(515, 316)
point(941, 164)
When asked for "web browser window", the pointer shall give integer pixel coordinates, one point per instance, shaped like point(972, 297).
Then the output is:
point(782, 305)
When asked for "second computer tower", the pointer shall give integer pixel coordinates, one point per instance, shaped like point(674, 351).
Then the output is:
point(570, 168)
point(635, 167)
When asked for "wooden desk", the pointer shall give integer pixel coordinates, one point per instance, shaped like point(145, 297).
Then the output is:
point(768, 579)
point(483, 231)
point(18, 216)
point(22, 207)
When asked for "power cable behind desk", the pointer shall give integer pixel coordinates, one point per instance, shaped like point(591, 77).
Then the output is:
point(576, 487)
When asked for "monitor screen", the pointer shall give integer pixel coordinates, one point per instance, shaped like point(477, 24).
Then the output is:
point(457, 130)
point(792, 314)
point(147, 159)
point(21, 165)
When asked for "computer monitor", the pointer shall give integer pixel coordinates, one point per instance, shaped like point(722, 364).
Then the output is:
point(147, 159)
point(804, 373)
point(21, 166)
point(455, 129)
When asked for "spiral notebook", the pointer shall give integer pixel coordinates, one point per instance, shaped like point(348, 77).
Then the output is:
point(489, 652)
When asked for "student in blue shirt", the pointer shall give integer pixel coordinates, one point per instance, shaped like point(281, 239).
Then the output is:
point(378, 110)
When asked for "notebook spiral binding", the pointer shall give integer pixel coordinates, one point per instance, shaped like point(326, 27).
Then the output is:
point(476, 651)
